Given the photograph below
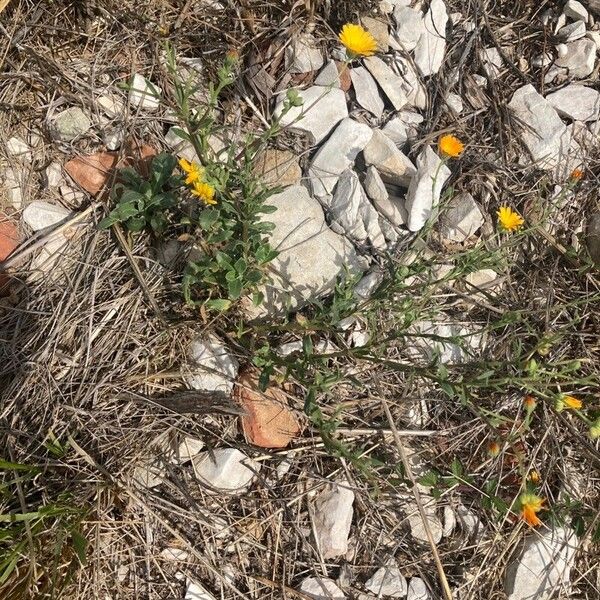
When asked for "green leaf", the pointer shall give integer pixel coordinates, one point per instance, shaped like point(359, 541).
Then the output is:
point(231, 276)
point(430, 479)
point(223, 260)
point(136, 224)
point(79, 545)
point(457, 469)
point(307, 346)
point(11, 466)
point(208, 217)
point(266, 209)
point(126, 210)
point(221, 304)
point(240, 266)
point(258, 298)
point(161, 169)
point(235, 289)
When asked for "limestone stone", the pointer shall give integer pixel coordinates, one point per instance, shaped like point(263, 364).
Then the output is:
point(576, 102)
point(329, 75)
point(212, 367)
point(575, 10)
point(278, 168)
point(322, 109)
point(365, 88)
point(379, 30)
point(410, 25)
point(391, 207)
point(143, 94)
point(302, 55)
point(39, 215)
point(388, 581)
point(580, 58)
point(431, 47)
point(491, 62)
point(390, 83)
point(571, 32)
point(17, 148)
point(321, 588)
point(461, 218)
point(393, 166)
point(225, 469)
point(333, 514)
point(69, 124)
point(417, 590)
point(412, 86)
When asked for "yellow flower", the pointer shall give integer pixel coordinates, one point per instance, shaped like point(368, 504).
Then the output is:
point(193, 171)
point(509, 219)
point(534, 476)
point(358, 41)
point(450, 145)
point(567, 402)
point(205, 192)
point(531, 504)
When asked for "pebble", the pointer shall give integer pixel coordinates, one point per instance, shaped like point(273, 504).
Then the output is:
point(17, 148)
point(455, 103)
point(225, 469)
point(461, 218)
point(431, 47)
point(73, 198)
point(144, 94)
point(491, 62)
point(576, 102)
point(188, 449)
point(39, 215)
point(417, 590)
point(393, 166)
point(13, 179)
point(69, 124)
point(54, 175)
point(302, 56)
point(469, 522)
point(113, 138)
point(195, 591)
point(365, 288)
point(367, 94)
point(337, 155)
point(543, 565)
point(212, 368)
point(576, 11)
point(333, 514)
point(46, 258)
point(323, 108)
point(412, 86)
point(390, 83)
point(449, 521)
point(321, 588)
point(391, 207)
point(425, 188)
point(180, 147)
point(571, 32)
point(110, 105)
point(580, 58)
point(388, 581)
point(403, 127)
point(329, 75)
point(409, 27)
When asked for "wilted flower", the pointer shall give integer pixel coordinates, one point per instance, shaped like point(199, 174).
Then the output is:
point(509, 219)
point(205, 192)
point(577, 174)
point(529, 403)
point(450, 145)
point(567, 402)
point(534, 476)
point(493, 449)
point(357, 40)
point(530, 505)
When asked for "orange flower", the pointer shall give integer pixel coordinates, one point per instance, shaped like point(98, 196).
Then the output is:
point(509, 219)
point(531, 504)
point(577, 174)
point(534, 476)
point(566, 401)
point(493, 449)
point(529, 403)
point(451, 146)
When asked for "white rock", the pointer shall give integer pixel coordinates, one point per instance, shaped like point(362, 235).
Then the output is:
point(13, 182)
point(351, 210)
point(212, 367)
point(576, 102)
point(449, 521)
point(17, 148)
point(417, 590)
point(561, 50)
point(113, 138)
point(144, 94)
point(469, 522)
point(491, 62)
point(431, 47)
point(337, 155)
point(321, 588)
point(48, 256)
point(195, 591)
point(368, 284)
point(461, 218)
point(455, 103)
point(390, 83)
point(333, 518)
point(393, 166)
point(580, 58)
point(311, 256)
point(575, 10)
point(412, 86)
point(329, 75)
point(301, 55)
point(388, 581)
point(425, 188)
point(39, 215)
point(595, 37)
point(225, 469)
point(69, 124)
point(410, 25)
point(322, 110)
point(543, 566)
point(149, 475)
point(417, 527)
point(403, 127)
point(542, 60)
point(560, 22)
point(180, 147)
point(365, 88)
point(479, 80)
point(110, 105)
point(54, 175)
point(188, 449)
point(73, 198)
point(390, 207)
point(542, 131)
point(571, 32)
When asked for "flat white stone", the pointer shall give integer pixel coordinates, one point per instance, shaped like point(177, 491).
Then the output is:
point(572, 32)
point(311, 256)
point(225, 469)
point(351, 210)
point(73, 198)
point(393, 166)
point(367, 93)
point(595, 37)
point(455, 103)
point(491, 62)
point(417, 527)
point(412, 86)
point(212, 367)
point(195, 591)
point(321, 588)
point(110, 105)
point(322, 110)
point(417, 590)
point(576, 102)
point(543, 565)
point(17, 148)
point(54, 175)
point(337, 155)
point(410, 25)
point(580, 58)
point(391, 207)
point(69, 124)
point(301, 55)
point(388, 581)
point(39, 215)
point(188, 449)
point(13, 183)
point(329, 75)
point(333, 514)
point(403, 127)
point(543, 133)
point(461, 218)
point(575, 10)
point(368, 284)
point(144, 94)
point(180, 147)
point(113, 138)
point(431, 47)
point(425, 188)
point(469, 522)
point(449, 521)
point(390, 83)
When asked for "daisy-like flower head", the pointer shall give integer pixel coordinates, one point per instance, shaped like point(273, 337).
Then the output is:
point(194, 172)
point(577, 174)
point(529, 403)
point(357, 40)
point(205, 192)
point(509, 219)
point(530, 505)
point(566, 401)
point(450, 146)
